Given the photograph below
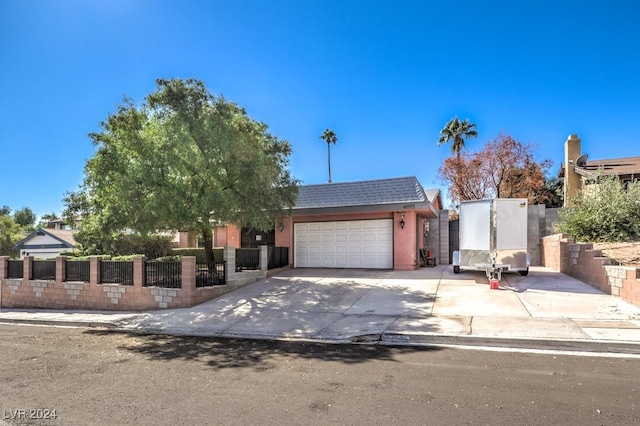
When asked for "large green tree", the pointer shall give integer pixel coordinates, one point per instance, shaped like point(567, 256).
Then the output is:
point(456, 131)
point(25, 217)
point(9, 235)
point(183, 160)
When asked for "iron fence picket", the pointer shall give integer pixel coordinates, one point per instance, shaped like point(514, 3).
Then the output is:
point(116, 271)
point(210, 273)
point(247, 259)
point(77, 270)
point(163, 274)
point(278, 257)
point(44, 270)
point(16, 268)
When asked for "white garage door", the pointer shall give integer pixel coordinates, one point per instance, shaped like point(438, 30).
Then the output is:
point(344, 244)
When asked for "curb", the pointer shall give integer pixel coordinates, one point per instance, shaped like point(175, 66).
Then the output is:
point(57, 323)
point(596, 346)
point(389, 339)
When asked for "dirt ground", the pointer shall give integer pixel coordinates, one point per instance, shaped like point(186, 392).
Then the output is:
point(626, 254)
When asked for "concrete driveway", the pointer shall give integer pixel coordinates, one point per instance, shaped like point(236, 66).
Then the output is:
point(414, 306)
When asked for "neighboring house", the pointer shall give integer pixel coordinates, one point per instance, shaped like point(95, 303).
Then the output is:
point(46, 243)
point(578, 171)
point(368, 224)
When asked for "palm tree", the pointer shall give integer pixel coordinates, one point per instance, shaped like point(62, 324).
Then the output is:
point(457, 131)
point(329, 137)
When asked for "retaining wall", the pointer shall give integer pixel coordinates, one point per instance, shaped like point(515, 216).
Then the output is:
point(580, 260)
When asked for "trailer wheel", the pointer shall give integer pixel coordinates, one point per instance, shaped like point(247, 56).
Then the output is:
point(524, 273)
point(456, 269)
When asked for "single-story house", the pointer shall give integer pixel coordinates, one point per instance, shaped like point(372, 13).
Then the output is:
point(46, 243)
point(367, 224)
point(578, 171)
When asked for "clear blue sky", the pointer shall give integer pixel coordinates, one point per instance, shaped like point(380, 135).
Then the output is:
point(384, 75)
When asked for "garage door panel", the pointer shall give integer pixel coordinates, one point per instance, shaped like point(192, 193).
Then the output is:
point(342, 238)
point(369, 224)
point(344, 244)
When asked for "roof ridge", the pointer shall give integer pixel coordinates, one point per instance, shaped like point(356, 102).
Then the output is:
point(361, 181)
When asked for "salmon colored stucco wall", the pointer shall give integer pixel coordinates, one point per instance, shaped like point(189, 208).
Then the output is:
point(406, 241)
point(226, 236)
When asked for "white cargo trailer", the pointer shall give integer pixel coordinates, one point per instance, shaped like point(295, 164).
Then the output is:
point(493, 237)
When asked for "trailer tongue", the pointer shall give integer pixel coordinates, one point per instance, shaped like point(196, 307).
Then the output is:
point(493, 238)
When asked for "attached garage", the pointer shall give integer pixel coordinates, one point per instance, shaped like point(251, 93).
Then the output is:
point(375, 224)
point(344, 244)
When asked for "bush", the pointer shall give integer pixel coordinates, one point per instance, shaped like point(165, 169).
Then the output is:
point(199, 253)
point(152, 246)
point(606, 211)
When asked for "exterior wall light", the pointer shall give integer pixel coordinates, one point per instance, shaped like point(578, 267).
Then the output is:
point(402, 223)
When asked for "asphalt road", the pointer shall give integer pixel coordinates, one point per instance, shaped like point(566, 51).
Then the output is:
point(94, 377)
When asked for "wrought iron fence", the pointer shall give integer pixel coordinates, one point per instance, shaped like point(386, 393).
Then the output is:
point(247, 258)
point(77, 270)
point(163, 274)
point(116, 271)
point(16, 268)
point(210, 273)
point(278, 257)
point(44, 269)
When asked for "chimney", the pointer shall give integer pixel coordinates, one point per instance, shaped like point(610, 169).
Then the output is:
point(572, 180)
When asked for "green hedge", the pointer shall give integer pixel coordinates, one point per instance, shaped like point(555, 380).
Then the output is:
point(218, 253)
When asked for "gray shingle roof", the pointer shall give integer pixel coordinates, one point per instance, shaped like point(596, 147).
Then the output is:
point(362, 193)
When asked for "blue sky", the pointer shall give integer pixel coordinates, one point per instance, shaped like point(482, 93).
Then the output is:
point(384, 75)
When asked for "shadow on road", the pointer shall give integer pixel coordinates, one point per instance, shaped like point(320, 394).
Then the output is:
point(245, 353)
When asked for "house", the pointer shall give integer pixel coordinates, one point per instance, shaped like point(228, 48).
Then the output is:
point(46, 243)
point(379, 224)
point(578, 171)
point(366, 224)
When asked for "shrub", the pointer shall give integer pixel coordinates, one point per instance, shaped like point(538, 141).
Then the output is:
point(199, 253)
point(152, 246)
point(604, 211)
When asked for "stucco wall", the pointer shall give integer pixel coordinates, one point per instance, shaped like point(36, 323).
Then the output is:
point(406, 241)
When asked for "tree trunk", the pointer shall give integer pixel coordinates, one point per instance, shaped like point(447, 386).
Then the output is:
point(329, 159)
point(207, 236)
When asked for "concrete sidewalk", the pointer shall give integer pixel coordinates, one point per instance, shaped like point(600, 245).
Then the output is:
point(545, 310)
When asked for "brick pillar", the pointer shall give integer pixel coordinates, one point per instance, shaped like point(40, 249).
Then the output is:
point(229, 256)
point(189, 278)
point(572, 180)
point(4, 267)
point(94, 270)
point(138, 271)
point(61, 266)
point(27, 265)
point(443, 224)
point(264, 258)
point(4, 271)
